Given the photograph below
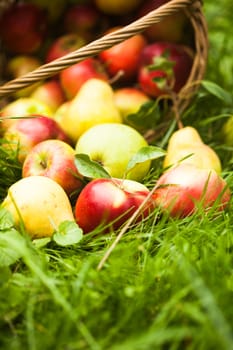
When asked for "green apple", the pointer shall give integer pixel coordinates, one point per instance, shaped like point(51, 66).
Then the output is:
point(113, 145)
point(40, 203)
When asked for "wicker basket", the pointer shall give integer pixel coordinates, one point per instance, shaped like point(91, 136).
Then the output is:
point(193, 9)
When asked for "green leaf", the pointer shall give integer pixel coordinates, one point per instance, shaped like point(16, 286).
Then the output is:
point(217, 91)
point(163, 63)
point(10, 255)
point(41, 242)
point(68, 233)
point(147, 117)
point(5, 273)
point(90, 168)
point(161, 82)
point(145, 154)
point(6, 219)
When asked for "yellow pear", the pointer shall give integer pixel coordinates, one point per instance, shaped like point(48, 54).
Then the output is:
point(39, 203)
point(186, 146)
point(94, 104)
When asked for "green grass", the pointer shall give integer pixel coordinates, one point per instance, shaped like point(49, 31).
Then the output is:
point(168, 284)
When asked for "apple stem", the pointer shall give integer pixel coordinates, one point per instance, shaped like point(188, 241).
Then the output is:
point(116, 77)
point(125, 228)
point(43, 164)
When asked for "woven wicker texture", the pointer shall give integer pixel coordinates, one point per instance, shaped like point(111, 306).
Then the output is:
point(193, 9)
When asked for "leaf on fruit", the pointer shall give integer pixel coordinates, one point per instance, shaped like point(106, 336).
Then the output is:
point(147, 116)
point(11, 244)
point(217, 91)
point(90, 168)
point(163, 63)
point(68, 233)
point(161, 82)
point(145, 154)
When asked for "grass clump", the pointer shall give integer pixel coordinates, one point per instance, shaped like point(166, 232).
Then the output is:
point(167, 285)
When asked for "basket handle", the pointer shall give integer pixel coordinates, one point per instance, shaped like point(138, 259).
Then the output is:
point(93, 48)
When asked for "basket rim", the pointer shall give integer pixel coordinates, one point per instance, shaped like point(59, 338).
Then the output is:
point(192, 7)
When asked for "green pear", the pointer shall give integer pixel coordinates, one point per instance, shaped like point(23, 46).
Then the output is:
point(94, 104)
point(186, 146)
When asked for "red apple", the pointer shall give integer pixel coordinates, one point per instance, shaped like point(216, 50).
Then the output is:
point(180, 56)
point(23, 27)
point(171, 28)
point(83, 19)
point(62, 45)
point(73, 77)
point(184, 188)
point(27, 132)
point(56, 160)
point(110, 202)
point(123, 58)
point(50, 93)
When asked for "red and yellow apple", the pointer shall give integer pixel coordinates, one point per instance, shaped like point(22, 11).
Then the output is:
point(22, 107)
point(55, 159)
point(50, 93)
point(108, 203)
point(183, 189)
point(73, 77)
point(129, 100)
point(62, 45)
point(27, 132)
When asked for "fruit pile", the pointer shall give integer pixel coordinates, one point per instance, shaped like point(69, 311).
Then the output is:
point(79, 135)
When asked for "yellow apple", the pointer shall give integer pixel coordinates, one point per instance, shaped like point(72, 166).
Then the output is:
point(40, 204)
